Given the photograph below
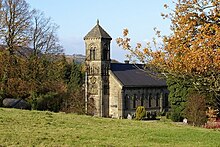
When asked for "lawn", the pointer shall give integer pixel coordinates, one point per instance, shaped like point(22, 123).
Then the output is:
point(35, 128)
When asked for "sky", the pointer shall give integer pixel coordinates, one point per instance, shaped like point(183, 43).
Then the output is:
point(76, 18)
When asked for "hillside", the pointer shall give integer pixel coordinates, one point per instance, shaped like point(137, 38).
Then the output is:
point(35, 128)
point(79, 58)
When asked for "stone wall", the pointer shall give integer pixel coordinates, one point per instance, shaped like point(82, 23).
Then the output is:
point(115, 97)
point(153, 99)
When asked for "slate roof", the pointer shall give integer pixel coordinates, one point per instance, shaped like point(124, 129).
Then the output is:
point(98, 32)
point(133, 75)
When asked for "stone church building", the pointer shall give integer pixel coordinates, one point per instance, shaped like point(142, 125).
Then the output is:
point(117, 89)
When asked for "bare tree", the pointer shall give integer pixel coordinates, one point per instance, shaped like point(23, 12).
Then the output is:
point(15, 24)
point(44, 39)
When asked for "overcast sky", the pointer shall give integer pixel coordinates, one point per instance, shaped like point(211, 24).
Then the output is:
point(77, 17)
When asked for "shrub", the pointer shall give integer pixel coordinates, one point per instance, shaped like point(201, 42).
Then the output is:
point(74, 102)
point(168, 115)
point(212, 114)
point(50, 101)
point(212, 125)
point(196, 109)
point(176, 114)
point(140, 113)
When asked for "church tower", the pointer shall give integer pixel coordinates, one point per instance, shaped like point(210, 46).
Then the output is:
point(97, 44)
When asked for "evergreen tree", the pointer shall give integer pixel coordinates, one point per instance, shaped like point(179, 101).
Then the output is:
point(178, 88)
point(75, 77)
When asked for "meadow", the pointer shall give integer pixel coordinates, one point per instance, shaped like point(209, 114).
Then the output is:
point(38, 128)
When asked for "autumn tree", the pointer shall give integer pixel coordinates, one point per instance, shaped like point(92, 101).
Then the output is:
point(30, 56)
point(192, 51)
point(14, 32)
point(15, 24)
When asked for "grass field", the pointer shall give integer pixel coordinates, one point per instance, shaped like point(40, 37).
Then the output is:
point(35, 128)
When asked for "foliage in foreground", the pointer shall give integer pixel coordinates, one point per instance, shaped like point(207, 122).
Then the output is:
point(35, 128)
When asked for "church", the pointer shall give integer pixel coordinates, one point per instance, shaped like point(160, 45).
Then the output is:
point(117, 89)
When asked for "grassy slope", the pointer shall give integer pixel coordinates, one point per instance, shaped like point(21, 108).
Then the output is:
point(28, 128)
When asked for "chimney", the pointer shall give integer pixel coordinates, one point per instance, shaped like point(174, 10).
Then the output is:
point(126, 61)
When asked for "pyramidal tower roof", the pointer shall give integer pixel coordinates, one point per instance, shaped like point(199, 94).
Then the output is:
point(97, 32)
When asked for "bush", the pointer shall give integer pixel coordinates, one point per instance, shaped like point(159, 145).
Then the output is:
point(74, 102)
point(50, 102)
point(212, 125)
point(176, 114)
point(140, 113)
point(196, 109)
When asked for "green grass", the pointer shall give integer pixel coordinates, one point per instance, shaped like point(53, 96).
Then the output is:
point(35, 128)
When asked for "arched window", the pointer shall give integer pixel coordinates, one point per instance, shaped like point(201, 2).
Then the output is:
point(166, 100)
point(105, 52)
point(142, 100)
point(92, 53)
point(134, 101)
point(126, 102)
point(150, 98)
point(157, 99)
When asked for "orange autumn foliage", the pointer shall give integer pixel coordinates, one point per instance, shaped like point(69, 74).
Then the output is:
point(192, 49)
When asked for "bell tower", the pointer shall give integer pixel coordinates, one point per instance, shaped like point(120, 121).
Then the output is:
point(97, 44)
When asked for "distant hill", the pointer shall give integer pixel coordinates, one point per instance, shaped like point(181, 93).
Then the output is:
point(79, 58)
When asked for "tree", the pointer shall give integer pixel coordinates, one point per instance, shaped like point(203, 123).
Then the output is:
point(15, 24)
point(178, 91)
point(43, 35)
point(45, 51)
point(14, 33)
point(75, 79)
point(192, 51)
point(30, 60)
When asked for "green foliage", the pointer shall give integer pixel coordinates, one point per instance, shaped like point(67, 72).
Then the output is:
point(178, 89)
point(75, 79)
point(49, 101)
point(177, 113)
point(74, 102)
point(140, 113)
point(196, 109)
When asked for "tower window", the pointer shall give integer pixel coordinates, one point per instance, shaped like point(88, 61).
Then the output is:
point(105, 52)
point(92, 54)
